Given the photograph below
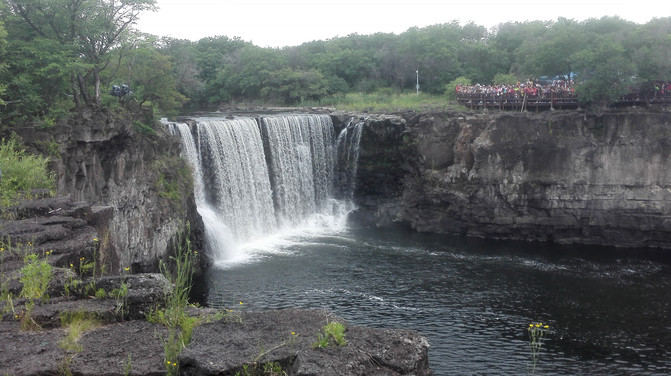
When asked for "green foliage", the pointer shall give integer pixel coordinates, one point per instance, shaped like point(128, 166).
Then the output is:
point(21, 173)
point(381, 101)
point(292, 87)
point(333, 330)
point(174, 315)
point(144, 128)
point(167, 189)
point(505, 79)
point(151, 75)
point(35, 277)
point(52, 51)
point(265, 369)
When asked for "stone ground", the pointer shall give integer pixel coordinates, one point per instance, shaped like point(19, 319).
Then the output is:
point(125, 343)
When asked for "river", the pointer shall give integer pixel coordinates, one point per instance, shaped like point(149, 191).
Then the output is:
point(607, 309)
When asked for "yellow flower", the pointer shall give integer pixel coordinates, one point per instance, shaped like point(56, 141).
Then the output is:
point(126, 269)
point(95, 239)
point(293, 333)
point(47, 253)
point(546, 327)
point(240, 303)
point(71, 265)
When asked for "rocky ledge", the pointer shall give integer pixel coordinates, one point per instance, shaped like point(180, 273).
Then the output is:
point(34, 341)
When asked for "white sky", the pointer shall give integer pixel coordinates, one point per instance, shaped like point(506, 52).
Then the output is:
point(269, 23)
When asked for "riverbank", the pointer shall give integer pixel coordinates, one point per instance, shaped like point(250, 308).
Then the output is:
point(36, 333)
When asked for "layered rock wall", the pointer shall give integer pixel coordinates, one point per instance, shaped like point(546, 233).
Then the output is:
point(107, 161)
point(566, 177)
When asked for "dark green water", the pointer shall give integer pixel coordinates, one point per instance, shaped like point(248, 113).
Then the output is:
point(609, 310)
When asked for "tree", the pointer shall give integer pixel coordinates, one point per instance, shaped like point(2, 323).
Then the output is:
point(552, 53)
point(651, 44)
point(149, 74)
point(291, 86)
point(91, 29)
point(3, 36)
point(185, 68)
point(604, 72)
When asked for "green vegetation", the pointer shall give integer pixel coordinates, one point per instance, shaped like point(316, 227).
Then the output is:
point(265, 369)
point(35, 277)
point(21, 173)
point(383, 101)
point(174, 314)
point(58, 54)
point(333, 330)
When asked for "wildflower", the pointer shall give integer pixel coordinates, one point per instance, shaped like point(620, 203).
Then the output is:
point(293, 333)
point(95, 240)
point(240, 303)
point(47, 253)
point(126, 268)
point(71, 265)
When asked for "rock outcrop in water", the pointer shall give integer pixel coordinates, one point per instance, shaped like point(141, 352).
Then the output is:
point(565, 177)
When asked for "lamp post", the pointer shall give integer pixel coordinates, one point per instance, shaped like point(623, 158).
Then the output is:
point(417, 85)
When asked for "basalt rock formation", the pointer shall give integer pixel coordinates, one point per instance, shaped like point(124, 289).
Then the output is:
point(567, 177)
point(113, 161)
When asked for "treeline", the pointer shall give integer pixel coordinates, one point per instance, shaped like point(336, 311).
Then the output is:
point(56, 54)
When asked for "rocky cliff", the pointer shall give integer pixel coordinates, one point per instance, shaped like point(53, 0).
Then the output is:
point(118, 163)
point(565, 177)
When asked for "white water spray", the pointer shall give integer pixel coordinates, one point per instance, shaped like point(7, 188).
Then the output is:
point(262, 181)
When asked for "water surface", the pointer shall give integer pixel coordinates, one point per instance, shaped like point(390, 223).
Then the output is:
point(608, 309)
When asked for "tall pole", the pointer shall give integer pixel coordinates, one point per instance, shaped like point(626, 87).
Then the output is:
point(417, 85)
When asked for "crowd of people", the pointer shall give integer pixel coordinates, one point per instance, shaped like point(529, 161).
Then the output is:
point(529, 89)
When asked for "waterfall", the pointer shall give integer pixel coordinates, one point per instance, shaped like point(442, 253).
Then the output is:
point(256, 177)
point(348, 154)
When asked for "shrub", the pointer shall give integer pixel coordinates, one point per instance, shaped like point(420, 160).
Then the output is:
point(21, 173)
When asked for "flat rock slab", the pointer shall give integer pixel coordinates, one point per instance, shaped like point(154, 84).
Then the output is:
point(28, 352)
point(223, 347)
point(108, 350)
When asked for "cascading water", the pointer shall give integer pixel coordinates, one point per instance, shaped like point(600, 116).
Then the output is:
point(259, 177)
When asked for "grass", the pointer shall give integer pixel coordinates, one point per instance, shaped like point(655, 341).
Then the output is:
point(21, 174)
point(386, 101)
point(35, 277)
point(76, 324)
point(174, 314)
point(332, 330)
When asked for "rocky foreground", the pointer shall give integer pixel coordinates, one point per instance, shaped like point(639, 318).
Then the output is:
point(124, 343)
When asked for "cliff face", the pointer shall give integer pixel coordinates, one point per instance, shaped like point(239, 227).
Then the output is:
point(567, 177)
point(137, 177)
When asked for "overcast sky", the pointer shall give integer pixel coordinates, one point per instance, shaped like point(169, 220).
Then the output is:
point(276, 23)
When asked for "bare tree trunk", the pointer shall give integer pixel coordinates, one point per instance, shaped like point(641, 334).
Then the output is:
point(96, 78)
point(82, 89)
point(75, 91)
